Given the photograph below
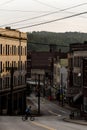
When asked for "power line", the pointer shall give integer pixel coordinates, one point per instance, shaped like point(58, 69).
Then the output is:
point(48, 44)
point(9, 1)
point(44, 15)
point(44, 4)
point(51, 21)
point(23, 11)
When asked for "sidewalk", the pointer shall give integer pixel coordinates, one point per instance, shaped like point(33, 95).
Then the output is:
point(76, 121)
point(81, 122)
point(67, 119)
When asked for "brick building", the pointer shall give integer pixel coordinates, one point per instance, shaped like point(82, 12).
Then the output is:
point(46, 64)
point(12, 71)
point(77, 75)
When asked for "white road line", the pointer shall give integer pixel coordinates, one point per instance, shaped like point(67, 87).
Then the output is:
point(54, 113)
point(42, 125)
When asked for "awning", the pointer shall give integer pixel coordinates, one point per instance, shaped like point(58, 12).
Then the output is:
point(77, 96)
point(34, 83)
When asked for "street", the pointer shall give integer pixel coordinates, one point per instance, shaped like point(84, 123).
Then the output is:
point(40, 123)
point(51, 119)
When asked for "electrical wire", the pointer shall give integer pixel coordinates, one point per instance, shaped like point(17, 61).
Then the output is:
point(23, 11)
point(47, 14)
point(7, 2)
point(48, 44)
point(51, 21)
point(45, 4)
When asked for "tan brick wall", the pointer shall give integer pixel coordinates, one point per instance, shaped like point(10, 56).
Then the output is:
point(12, 33)
point(11, 38)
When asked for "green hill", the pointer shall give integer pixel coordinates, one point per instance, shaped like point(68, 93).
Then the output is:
point(37, 40)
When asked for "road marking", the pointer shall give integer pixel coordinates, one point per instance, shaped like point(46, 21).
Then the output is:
point(63, 111)
point(44, 126)
point(54, 113)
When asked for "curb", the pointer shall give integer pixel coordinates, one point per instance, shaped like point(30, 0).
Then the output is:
point(75, 121)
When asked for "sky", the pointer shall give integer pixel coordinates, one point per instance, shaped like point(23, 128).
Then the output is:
point(44, 15)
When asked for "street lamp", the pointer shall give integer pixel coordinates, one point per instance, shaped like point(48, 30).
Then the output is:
point(79, 74)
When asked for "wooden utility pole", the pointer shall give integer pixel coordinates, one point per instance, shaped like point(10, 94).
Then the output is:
point(62, 89)
point(38, 93)
point(12, 70)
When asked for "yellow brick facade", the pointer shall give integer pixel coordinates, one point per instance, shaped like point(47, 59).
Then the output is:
point(13, 51)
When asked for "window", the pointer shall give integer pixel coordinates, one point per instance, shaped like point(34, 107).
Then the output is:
point(6, 49)
point(77, 61)
point(14, 50)
point(19, 65)
point(18, 50)
point(3, 50)
point(23, 79)
point(0, 83)
point(76, 79)
point(14, 63)
point(0, 66)
point(85, 104)
point(25, 65)
point(25, 51)
point(7, 82)
point(0, 49)
point(21, 50)
point(7, 65)
point(19, 80)
point(15, 81)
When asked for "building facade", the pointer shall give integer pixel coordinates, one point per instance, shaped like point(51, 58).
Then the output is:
point(46, 65)
point(77, 77)
point(13, 51)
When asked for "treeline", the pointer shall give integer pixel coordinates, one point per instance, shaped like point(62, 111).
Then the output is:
point(39, 41)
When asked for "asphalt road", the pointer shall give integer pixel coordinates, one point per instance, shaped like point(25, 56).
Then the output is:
point(40, 123)
point(51, 119)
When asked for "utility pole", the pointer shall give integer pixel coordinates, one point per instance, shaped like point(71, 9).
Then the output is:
point(12, 70)
point(51, 76)
point(62, 89)
point(52, 69)
point(38, 93)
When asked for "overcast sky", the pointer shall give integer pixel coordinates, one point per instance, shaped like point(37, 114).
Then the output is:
point(26, 15)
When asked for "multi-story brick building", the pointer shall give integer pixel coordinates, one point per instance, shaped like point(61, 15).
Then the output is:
point(46, 64)
point(12, 71)
point(77, 76)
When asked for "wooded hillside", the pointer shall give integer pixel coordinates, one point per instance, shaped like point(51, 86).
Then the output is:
point(37, 40)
